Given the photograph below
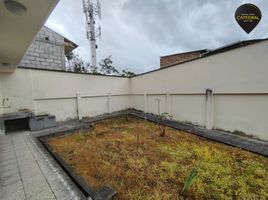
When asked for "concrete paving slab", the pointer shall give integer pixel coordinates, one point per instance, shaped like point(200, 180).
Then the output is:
point(5, 140)
point(7, 158)
point(9, 172)
point(7, 162)
point(22, 151)
point(27, 171)
point(7, 180)
point(36, 178)
point(12, 192)
point(8, 150)
point(44, 195)
point(25, 159)
point(8, 167)
point(4, 148)
point(30, 169)
point(35, 187)
point(27, 163)
point(31, 175)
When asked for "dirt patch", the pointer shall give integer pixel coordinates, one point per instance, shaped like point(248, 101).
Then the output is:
point(130, 156)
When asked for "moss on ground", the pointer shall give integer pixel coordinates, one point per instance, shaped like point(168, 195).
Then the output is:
point(155, 168)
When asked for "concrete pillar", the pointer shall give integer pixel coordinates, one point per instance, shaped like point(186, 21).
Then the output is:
point(130, 101)
point(109, 102)
point(145, 105)
point(209, 109)
point(32, 91)
point(168, 103)
point(79, 108)
point(158, 106)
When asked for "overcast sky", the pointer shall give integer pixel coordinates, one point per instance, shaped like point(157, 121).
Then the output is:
point(137, 32)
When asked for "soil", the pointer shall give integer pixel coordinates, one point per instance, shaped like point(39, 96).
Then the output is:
point(129, 155)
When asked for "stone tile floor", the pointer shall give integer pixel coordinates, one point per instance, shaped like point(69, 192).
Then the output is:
point(28, 172)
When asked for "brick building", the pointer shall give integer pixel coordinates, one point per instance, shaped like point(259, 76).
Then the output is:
point(48, 51)
point(174, 59)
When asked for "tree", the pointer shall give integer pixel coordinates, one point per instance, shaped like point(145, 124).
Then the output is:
point(69, 58)
point(126, 72)
point(76, 63)
point(93, 70)
point(107, 68)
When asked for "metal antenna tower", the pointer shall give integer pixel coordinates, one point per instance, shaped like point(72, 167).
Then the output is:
point(91, 10)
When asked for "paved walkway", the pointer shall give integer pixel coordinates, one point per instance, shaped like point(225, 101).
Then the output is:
point(27, 172)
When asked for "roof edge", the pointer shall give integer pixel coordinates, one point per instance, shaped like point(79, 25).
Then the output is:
point(176, 54)
point(60, 35)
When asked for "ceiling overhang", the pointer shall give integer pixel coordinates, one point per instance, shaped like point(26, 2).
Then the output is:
point(19, 29)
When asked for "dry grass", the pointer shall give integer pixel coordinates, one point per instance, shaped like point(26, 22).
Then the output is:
point(155, 168)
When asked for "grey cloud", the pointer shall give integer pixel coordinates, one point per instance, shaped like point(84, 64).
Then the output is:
point(137, 32)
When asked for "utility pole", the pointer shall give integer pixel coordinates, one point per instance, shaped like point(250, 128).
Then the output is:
point(91, 9)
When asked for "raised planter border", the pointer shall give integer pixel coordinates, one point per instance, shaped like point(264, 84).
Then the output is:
point(252, 145)
point(104, 193)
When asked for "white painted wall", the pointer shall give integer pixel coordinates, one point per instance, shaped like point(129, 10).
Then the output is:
point(1, 100)
point(248, 113)
point(17, 90)
point(55, 92)
point(189, 108)
point(238, 79)
point(239, 71)
point(101, 102)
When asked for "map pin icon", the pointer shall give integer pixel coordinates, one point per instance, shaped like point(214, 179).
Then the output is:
point(248, 16)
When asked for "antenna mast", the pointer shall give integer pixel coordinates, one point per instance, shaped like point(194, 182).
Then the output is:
point(91, 9)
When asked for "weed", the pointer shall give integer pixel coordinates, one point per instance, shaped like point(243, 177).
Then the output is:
point(162, 127)
point(189, 180)
point(241, 133)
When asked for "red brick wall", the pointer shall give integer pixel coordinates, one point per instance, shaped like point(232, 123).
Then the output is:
point(166, 61)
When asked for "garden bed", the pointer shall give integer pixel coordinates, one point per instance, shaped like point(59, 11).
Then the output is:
point(129, 155)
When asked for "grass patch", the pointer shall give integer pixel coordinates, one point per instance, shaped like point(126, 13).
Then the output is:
point(153, 167)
